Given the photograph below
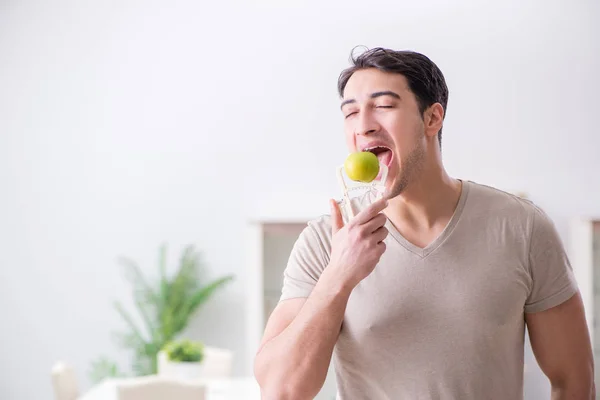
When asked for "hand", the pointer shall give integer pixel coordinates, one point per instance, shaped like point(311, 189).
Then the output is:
point(357, 247)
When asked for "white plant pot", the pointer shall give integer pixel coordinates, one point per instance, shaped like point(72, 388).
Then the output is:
point(179, 370)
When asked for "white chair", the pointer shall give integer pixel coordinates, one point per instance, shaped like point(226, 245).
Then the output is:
point(217, 363)
point(64, 382)
point(154, 387)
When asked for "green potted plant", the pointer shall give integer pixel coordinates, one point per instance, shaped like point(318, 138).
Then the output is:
point(165, 305)
point(182, 359)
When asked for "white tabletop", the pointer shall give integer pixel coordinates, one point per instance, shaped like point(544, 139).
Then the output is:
point(217, 389)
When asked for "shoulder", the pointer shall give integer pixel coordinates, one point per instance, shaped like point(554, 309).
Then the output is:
point(315, 239)
point(497, 203)
point(507, 210)
point(319, 228)
point(492, 198)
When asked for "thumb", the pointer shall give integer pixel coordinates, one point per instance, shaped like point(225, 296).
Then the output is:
point(337, 222)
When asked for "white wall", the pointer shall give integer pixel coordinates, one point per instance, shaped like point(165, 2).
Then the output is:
point(125, 124)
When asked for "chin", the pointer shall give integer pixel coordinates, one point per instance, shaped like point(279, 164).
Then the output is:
point(389, 191)
point(396, 187)
point(392, 177)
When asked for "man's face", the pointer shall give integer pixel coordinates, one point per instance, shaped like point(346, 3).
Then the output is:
point(382, 114)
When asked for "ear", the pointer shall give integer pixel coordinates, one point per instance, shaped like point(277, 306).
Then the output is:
point(434, 118)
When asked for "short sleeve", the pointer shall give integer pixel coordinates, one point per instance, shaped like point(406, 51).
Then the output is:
point(553, 281)
point(307, 260)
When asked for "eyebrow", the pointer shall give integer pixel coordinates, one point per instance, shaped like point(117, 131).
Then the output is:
point(374, 96)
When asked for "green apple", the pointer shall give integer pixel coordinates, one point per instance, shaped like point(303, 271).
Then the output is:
point(362, 166)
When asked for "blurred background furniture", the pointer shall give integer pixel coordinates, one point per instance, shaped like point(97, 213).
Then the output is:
point(584, 253)
point(155, 387)
point(270, 241)
point(64, 382)
point(162, 388)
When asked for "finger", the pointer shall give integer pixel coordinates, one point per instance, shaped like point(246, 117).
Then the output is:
point(371, 211)
point(380, 234)
point(337, 222)
point(377, 222)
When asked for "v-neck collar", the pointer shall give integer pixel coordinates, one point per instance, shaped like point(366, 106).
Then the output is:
point(425, 251)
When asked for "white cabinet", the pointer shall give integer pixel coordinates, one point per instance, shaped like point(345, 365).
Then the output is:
point(584, 253)
point(269, 245)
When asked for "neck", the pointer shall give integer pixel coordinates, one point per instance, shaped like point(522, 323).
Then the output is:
point(428, 202)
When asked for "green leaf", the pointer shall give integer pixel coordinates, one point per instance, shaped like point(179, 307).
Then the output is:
point(162, 262)
point(198, 298)
point(127, 340)
point(180, 289)
point(125, 315)
point(152, 330)
point(186, 278)
point(103, 368)
point(202, 295)
point(185, 351)
point(134, 275)
point(142, 365)
point(164, 283)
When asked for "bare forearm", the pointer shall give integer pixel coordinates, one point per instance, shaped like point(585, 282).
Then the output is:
point(294, 364)
point(575, 389)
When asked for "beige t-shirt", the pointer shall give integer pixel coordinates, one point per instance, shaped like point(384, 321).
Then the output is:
point(445, 321)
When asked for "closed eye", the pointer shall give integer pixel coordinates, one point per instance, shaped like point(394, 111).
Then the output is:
point(385, 106)
point(349, 115)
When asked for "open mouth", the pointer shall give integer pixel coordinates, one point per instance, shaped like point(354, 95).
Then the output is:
point(384, 154)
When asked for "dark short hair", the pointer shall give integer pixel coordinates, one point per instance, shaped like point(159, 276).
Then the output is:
point(425, 79)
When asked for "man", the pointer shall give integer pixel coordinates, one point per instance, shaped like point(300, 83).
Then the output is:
point(426, 293)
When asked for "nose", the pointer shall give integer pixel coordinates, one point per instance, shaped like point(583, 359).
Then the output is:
point(366, 124)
